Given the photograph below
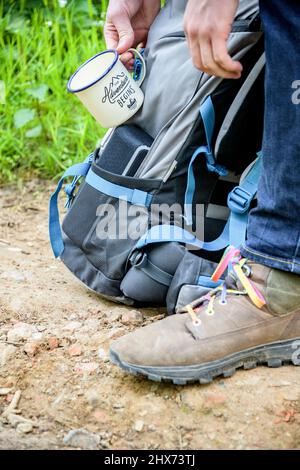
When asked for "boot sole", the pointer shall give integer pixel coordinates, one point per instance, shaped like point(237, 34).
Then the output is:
point(272, 355)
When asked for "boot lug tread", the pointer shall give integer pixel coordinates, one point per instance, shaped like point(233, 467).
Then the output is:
point(282, 352)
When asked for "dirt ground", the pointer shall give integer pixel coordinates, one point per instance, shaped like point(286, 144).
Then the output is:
point(54, 338)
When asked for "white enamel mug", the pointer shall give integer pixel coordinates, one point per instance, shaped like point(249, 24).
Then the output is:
point(107, 89)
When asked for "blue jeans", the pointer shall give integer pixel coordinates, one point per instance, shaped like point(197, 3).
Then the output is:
point(274, 226)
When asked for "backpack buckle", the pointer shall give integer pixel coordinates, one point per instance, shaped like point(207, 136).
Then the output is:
point(239, 200)
point(69, 190)
point(138, 259)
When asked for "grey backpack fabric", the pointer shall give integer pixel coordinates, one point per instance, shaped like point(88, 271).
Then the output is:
point(190, 281)
point(149, 162)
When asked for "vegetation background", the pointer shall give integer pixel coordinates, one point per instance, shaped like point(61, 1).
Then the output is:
point(44, 129)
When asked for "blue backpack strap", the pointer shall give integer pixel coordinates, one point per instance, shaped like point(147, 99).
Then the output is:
point(173, 233)
point(207, 114)
point(239, 201)
point(191, 186)
point(133, 196)
point(78, 170)
point(234, 233)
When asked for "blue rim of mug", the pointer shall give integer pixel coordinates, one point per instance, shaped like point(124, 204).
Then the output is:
point(101, 76)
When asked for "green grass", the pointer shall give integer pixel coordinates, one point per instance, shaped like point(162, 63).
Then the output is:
point(43, 128)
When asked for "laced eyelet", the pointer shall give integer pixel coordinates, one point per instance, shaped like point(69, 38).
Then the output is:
point(210, 312)
point(195, 320)
point(247, 270)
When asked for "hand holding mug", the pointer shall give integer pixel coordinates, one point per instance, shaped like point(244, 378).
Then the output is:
point(107, 89)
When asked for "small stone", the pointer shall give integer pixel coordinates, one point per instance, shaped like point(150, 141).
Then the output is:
point(105, 434)
point(93, 398)
point(86, 367)
point(38, 336)
point(31, 348)
point(7, 351)
point(138, 425)
point(118, 406)
point(21, 332)
point(73, 317)
point(115, 314)
point(116, 333)
point(218, 414)
point(75, 350)
point(152, 428)
point(65, 342)
point(72, 326)
point(132, 317)
point(102, 354)
point(24, 428)
point(53, 343)
point(83, 439)
point(41, 328)
point(5, 391)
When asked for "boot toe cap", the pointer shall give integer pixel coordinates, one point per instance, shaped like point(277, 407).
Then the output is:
point(158, 344)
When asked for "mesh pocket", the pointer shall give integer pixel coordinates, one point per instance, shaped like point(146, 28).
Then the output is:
point(125, 150)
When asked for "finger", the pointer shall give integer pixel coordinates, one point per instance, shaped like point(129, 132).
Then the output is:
point(131, 63)
point(208, 61)
point(223, 59)
point(208, 64)
point(111, 36)
point(128, 66)
point(127, 60)
point(126, 57)
point(111, 43)
point(123, 26)
point(193, 44)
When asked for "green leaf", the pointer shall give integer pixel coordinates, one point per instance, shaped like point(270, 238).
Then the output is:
point(34, 132)
point(39, 92)
point(2, 92)
point(23, 116)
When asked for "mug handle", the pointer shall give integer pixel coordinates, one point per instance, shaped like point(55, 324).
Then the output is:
point(144, 69)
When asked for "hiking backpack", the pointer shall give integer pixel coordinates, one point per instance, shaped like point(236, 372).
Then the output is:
point(168, 179)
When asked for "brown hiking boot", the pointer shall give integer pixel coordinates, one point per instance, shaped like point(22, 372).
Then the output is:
point(254, 318)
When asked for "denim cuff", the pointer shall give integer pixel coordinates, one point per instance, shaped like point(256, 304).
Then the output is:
point(270, 261)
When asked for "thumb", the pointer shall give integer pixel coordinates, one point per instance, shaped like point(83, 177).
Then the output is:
point(125, 33)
